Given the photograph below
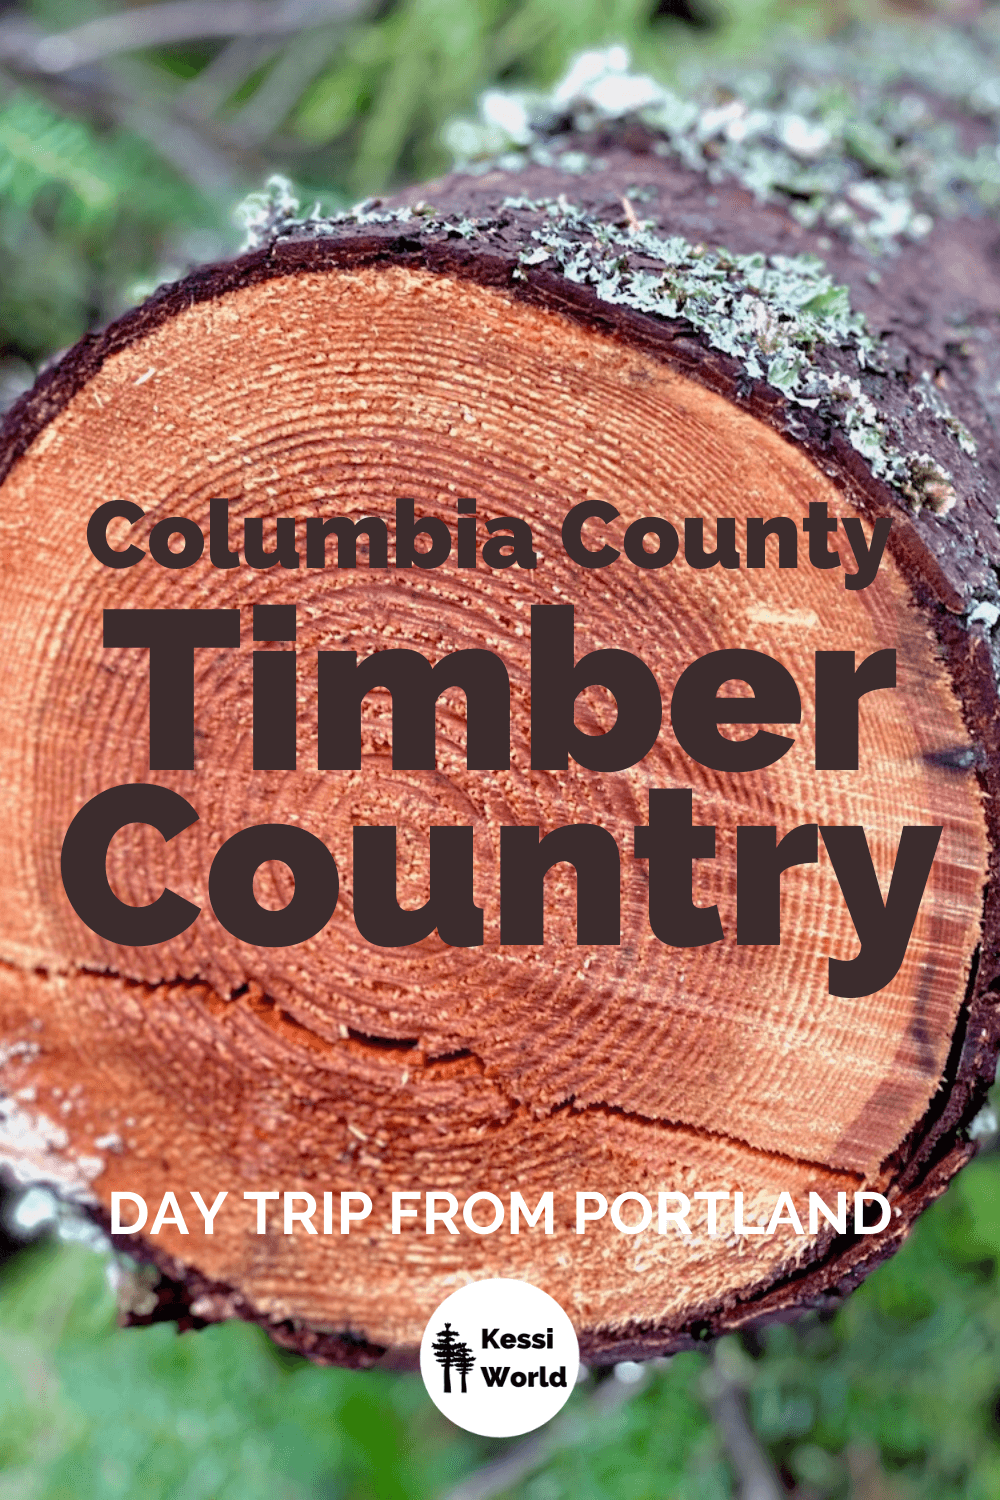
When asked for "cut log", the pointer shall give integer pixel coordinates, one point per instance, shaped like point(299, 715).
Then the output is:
point(530, 343)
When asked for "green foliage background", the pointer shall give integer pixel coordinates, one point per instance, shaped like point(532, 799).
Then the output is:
point(129, 178)
point(106, 189)
point(895, 1398)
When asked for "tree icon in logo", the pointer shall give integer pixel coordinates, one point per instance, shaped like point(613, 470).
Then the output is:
point(464, 1362)
point(451, 1352)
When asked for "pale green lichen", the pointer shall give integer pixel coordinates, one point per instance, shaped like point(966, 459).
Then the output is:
point(984, 613)
point(275, 213)
point(835, 131)
point(773, 314)
point(924, 482)
point(768, 312)
point(931, 400)
point(265, 213)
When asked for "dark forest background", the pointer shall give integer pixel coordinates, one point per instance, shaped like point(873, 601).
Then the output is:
point(127, 138)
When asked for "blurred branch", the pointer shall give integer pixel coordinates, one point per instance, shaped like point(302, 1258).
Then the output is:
point(725, 1396)
point(228, 70)
point(566, 1431)
point(300, 62)
point(100, 96)
point(162, 25)
point(199, 161)
point(218, 158)
point(506, 1472)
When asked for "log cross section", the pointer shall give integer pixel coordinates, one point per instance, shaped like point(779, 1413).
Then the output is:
point(336, 375)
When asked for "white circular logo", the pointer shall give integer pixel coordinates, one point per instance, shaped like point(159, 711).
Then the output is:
point(499, 1357)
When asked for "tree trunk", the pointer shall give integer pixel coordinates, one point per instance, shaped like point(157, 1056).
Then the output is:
point(534, 340)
